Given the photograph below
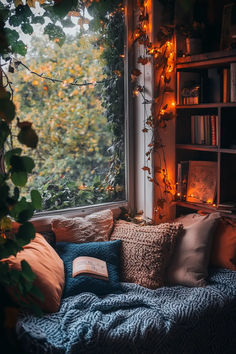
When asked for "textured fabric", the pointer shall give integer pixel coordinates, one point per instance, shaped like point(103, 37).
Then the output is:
point(223, 252)
point(92, 228)
point(145, 251)
point(169, 320)
point(49, 237)
point(48, 268)
point(107, 251)
point(191, 257)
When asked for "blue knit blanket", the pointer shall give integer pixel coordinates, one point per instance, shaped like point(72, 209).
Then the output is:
point(173, 320)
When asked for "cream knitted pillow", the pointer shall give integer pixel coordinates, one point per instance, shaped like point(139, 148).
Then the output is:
point(146, 251)
point(91, 228)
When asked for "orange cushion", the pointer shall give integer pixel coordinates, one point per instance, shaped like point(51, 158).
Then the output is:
point(48, 268)
point(224, 244)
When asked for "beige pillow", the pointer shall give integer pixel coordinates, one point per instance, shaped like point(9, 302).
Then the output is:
point(91, 228)
point(190, 261)
point(145, 251)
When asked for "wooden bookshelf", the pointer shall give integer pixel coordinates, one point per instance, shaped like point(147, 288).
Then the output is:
point(224, 152)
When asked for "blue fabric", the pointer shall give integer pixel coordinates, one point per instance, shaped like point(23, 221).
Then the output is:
point(107, 251)
point(168, 320)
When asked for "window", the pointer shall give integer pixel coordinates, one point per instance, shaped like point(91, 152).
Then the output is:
point(72, 89)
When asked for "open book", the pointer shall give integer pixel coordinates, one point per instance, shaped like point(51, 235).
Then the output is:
point(90, 266)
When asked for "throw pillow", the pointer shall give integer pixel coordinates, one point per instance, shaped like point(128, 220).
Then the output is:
point(223, 252)
point(91, 228)
point(48, 268)
point(146, 251)
point(190, 261)
point(106, 251)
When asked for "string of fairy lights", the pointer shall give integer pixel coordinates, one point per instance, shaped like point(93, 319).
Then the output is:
point(162, 57)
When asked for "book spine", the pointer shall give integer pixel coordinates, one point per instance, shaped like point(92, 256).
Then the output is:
point(179, 181)
point(208, 132)
point(196, 129)
point(205, 129)
point(213, 131)
point(217, 130)
point(233, 82)
point(192, 130)
point(178, 88)
point(202, 137)
point(226, 77)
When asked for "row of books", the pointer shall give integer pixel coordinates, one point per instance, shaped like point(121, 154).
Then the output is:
point(204, 130)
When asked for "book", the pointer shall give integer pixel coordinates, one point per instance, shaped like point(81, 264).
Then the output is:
point(233, 82)
point(226, 82)
point(90, 266)
point(182, 179)
point(201, 181)
point(213, 130)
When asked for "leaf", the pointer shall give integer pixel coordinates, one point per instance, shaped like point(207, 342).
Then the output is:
point(28, 137)
point(27, 28)
point(38, 19)
point(7, 108)
point(25, 234)
point(27, 272)
point(19, 178)
point(4, 133)
point(19, 47)
point(15, 21)
point(36, 199)
point(55, 33)
point(35, 291)
point(28, 163)
point(10, 153)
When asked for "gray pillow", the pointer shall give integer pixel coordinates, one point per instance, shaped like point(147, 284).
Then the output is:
point(191, 257)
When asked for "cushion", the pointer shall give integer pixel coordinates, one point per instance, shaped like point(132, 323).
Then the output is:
point(106, 251)
point(91, 228)
point(190, 261)
point(223, 252)
point(48, 268)
point(146, 251)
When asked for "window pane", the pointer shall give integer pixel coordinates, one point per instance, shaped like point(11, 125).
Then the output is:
point(79, 121)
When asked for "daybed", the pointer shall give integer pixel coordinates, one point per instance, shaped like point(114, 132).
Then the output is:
point(170, 319)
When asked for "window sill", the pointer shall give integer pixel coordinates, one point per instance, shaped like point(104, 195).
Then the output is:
point(42, 220)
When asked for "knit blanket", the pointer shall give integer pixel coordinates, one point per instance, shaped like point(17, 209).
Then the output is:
point(168, 320)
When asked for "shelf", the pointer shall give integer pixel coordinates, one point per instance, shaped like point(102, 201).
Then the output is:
point(206, 60)
point(228, 151)
point(197, 147)
point(205, 208)
point(206, 105)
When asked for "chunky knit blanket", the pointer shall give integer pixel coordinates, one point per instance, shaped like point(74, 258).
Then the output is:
point(173, 320)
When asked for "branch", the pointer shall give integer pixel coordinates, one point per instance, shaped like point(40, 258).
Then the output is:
point(61, 81)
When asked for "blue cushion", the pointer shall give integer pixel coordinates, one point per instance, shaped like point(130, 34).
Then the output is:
point(107, 251)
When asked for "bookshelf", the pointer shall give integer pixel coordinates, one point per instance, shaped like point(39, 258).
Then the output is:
point(206, 125)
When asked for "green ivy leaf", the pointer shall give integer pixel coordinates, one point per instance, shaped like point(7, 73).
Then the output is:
point(28, 163)
point(27, 28)
point(10, 153)
point(4, 132)
point(55, 32)
point(37, 293)
point(12, 35)
point(19, 47)
point(15, 21)
point(7, 109)
point(25, 234)
point(27, 272)
point(38, 19)
point(36, 199)
point(19, 178)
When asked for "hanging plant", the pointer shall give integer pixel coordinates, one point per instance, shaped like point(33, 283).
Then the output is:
point(162, 58)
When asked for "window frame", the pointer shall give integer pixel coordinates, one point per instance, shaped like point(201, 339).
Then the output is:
point(128, 202)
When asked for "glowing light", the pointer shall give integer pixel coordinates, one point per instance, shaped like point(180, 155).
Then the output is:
point(173, 104)
point(178, 194)
point(214, 205)
point(135, 92)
